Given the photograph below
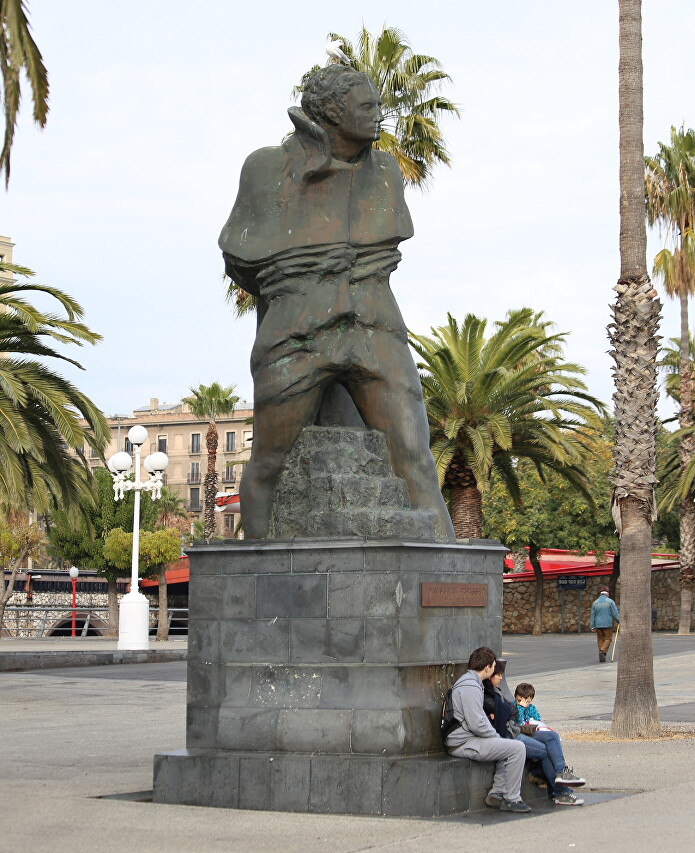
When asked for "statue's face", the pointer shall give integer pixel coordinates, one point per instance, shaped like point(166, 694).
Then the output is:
point(361, 119)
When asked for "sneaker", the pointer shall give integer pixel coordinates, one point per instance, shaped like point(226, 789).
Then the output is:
point(567, 777)
point(517, 806)
point(494, 801)
point(570, 799)
point(602, 657)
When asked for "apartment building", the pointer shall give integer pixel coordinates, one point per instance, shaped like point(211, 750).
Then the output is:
point(6, 246)
point(174, 430)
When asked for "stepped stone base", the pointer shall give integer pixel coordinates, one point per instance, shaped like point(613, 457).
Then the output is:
point(338, 481)
point(421, 786)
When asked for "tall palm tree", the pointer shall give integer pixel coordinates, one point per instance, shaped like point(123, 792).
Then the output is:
point(40, 411)
point(670, 200)
point(210, 402)
point(633, 335)
point(491, 401)
point(19, 53)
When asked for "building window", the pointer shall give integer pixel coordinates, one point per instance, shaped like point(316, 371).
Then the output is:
point(128, 446)
point(248, 437)
point(194, 476)
point(162, 443)
point(230, 442)
point(195, 500)
point(195, 442)
point(229, 523)
point(93, 453)
point(229, 475)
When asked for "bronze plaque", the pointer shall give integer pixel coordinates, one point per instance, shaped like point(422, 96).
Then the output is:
point(454, 594)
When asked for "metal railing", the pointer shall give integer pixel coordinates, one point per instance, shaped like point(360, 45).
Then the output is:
point(23, 621)
point(193, 478)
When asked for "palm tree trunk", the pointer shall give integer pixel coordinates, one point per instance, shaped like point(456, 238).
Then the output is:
point(112, 596)
point(466, 512)
point(163, 619)
point(635, 713)
point(686, 450)
point(687, 561)
point(534, 550)
point(633, 336)
point(210, 484)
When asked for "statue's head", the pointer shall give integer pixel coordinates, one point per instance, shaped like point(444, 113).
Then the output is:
point(338, 94)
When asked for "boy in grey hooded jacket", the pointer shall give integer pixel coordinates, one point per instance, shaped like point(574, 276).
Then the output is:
point(475, 738)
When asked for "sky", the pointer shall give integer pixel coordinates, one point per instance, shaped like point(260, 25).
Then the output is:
point(155, 105)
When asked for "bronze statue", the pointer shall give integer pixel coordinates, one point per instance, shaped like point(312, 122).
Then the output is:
point(314, 234)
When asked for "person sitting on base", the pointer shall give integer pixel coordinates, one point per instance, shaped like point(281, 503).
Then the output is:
point(534, 733)
point(476, 739)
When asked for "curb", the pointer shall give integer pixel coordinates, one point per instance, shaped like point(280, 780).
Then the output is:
point(23, 661)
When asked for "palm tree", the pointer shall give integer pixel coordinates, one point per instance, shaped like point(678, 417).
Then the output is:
point(633, 335)
point(19, 53)
point(670, 365)
point(407, 83)
point(40, 411)
point(491, 401)
point(171, 511)
point(670, 199)
point(210, 402)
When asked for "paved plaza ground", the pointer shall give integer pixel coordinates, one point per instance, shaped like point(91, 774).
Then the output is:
point(77, 747)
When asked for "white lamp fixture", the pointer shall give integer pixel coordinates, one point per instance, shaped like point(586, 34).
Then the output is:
point(134, 612)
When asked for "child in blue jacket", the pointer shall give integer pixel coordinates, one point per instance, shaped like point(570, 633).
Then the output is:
point(528, 715)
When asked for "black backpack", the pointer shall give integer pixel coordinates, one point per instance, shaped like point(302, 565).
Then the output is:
point(448, 722)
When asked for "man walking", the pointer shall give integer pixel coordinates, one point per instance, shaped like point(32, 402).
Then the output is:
point(475, 738)
point(603, 613)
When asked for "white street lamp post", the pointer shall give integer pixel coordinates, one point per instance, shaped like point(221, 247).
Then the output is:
point(134, 612)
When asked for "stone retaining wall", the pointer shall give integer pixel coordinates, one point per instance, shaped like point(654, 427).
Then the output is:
point(519, 598)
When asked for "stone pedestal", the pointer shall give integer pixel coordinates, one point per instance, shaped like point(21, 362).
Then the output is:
point(314, 671)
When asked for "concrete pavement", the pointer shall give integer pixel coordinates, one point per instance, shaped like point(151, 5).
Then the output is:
point(74, 739)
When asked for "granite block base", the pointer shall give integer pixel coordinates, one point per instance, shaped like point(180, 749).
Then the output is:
point(316, 674)
point(419, 786)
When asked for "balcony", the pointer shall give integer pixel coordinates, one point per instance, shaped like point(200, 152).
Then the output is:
point(194, 507)
point(194, 451)
point(229, 478)
point(193, 478)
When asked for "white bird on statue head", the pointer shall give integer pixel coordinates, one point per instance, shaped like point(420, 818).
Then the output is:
point(334, 50)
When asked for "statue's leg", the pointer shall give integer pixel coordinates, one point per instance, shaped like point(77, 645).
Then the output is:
point(393, 404)
point(276, 427)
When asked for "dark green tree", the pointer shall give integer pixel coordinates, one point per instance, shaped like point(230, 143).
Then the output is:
point(81, 542)
point(552, 513)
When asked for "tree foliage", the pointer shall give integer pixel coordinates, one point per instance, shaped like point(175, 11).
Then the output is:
point(40, 411)
point(157, 548)
point(19, 538)
point(82, 543)
point(492, 400)
point(19, 54)
point(552, 513)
